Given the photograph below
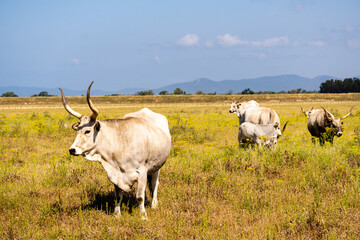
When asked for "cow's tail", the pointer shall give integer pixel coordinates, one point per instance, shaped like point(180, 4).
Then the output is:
point(284, 126)
point(272, 116)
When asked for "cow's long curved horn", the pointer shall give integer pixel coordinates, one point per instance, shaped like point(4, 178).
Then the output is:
point(327, 114)
point(304, 112)
point(91, 105)
point(348, 113)
point(68, 108)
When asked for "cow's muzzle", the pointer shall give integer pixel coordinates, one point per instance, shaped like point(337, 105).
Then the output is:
point(339, 134)
point(72, 151)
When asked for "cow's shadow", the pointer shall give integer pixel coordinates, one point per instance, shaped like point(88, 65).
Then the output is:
point(105, 201)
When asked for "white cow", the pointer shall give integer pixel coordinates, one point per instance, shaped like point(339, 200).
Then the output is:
point(262, 134)
point(131, 149)
point(251, 112)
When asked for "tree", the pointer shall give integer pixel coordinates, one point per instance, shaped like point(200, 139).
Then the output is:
point(178, 91)
point(247, 91)
point(143, 93)
point(163, 93)
point(9, 94)
point(199, 92)
point(42, 94)
point(339, 86)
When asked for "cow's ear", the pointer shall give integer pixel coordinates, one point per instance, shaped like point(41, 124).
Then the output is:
point(97, 126)
point(75, 126)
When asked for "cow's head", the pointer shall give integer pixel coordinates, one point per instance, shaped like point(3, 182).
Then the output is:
point(277, 131)
point(87, 129)
point(335, 124)
point(234, 106)
point(307, 113)
point(272, 141)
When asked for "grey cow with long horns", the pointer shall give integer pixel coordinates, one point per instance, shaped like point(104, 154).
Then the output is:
point(131, 149)
point(323, 125)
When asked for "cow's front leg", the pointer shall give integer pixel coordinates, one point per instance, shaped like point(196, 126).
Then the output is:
point(258, 142)
point(140, 194)
point(119, 194)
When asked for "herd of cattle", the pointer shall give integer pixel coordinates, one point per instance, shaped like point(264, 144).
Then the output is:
point(135, 147)
point(262, 125)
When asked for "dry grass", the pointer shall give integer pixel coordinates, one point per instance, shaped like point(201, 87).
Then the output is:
point(209, 188)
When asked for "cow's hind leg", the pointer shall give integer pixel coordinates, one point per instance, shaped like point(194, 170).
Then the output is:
point(321, 140)
point(119, 194)
point(140, 194)
point(154, 187)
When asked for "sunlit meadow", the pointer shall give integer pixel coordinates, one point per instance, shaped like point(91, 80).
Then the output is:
point(209, 187)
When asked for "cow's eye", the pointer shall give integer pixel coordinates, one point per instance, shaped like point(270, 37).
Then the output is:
point(87, 131)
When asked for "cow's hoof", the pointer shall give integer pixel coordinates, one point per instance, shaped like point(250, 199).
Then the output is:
point(143, 216)
point(154, 204)
point(117, 211)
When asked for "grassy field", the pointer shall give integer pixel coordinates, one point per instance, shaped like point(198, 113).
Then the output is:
point(209, 188)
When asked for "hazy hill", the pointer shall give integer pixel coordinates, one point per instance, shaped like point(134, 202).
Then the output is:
point(274, 83)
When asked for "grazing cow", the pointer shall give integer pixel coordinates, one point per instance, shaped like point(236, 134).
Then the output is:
point(237, 107)
point(323, 125)
point(262, 134)
point(131, 149)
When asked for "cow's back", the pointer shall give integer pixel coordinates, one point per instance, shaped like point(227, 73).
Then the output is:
point(153, 118)
point(248, 104)
point(259, 115)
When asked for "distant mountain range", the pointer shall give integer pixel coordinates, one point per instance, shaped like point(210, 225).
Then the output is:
point(274, 83)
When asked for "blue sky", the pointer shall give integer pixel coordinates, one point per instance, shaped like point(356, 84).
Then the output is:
point(149, 44)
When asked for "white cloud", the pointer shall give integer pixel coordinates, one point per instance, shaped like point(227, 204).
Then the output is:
point(75, 61)
point(271, 42)
point(157, 59)
point(230, 40)
point(349, 29)
point(354, 43)
point(188, 40)
point(317, 43)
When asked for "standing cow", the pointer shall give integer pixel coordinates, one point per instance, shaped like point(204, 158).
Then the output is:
point(251, 112)
point(323, 125)
point(237, 107)
point(131, 149)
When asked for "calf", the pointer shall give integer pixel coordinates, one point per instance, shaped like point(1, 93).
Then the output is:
point(257, 133)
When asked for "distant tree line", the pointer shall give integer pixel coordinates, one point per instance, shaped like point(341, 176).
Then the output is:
point(340, 86)
point(329, 86)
